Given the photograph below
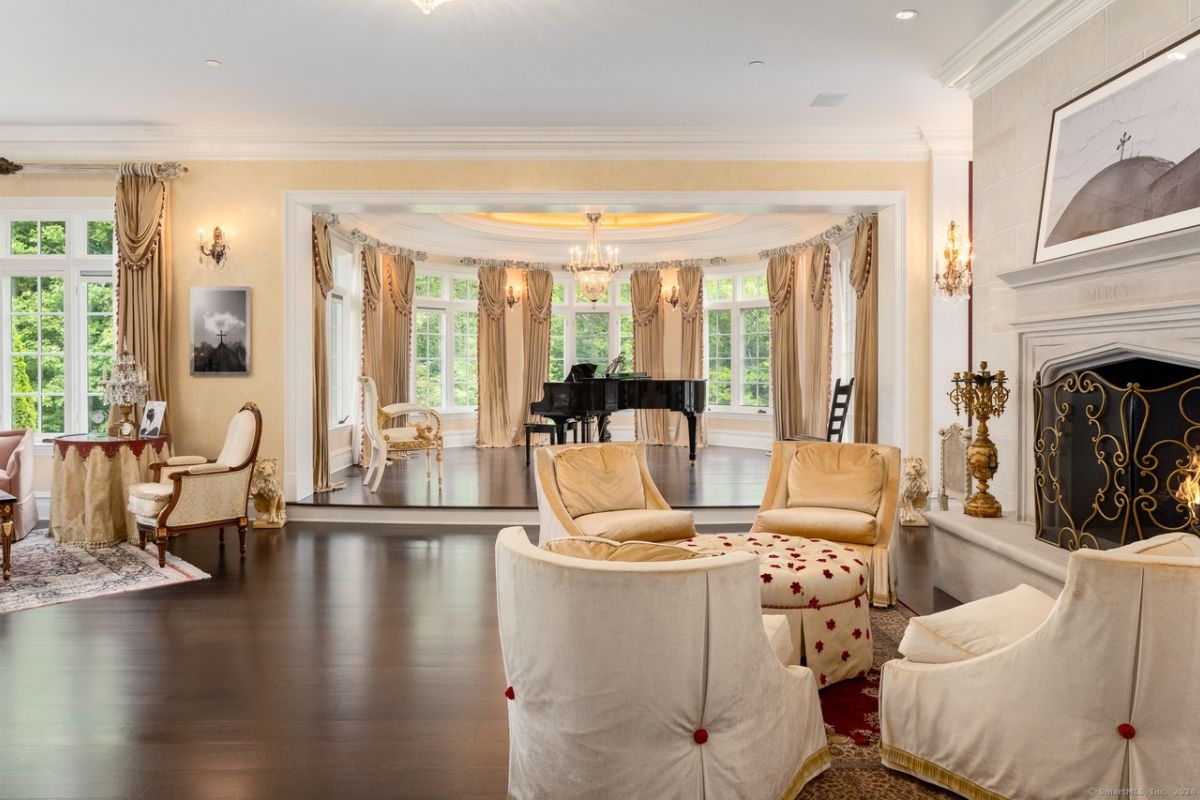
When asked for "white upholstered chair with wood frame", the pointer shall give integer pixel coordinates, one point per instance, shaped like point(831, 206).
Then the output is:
point(844, 493)
point(423, 432)
point(648, 679)
point(603, 489)
point(16, 478)
point(1021, 695)
point(192, 492)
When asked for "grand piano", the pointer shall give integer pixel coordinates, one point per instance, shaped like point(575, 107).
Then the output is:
point(599, 397)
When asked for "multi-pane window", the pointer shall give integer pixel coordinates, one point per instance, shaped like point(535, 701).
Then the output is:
point(342, 324)
point(558, 344)
point(429, 286)
point(591, 338)
point(430, 357)
point(720, 357)
point(845, 307)
point(626, 340)
point(738, 340)
point(57, 314)
point(466, 358)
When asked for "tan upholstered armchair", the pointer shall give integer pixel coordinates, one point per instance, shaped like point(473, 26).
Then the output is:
point(192, 492)
point(844, 493)
point(604, 489)
point(16, 478)
point(423, 432)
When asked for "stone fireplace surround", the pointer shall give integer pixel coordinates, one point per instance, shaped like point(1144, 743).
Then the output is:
point(1141, 299)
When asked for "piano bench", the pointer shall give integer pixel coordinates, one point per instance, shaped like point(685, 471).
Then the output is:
point(542, 427)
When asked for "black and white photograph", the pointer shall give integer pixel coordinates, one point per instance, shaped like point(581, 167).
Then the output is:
point(1124, 158)
point(220, 324)
point(152, 418)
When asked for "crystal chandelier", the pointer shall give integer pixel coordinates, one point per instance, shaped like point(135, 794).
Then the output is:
point(954, 282)
point(593, 272)
point(427, 6)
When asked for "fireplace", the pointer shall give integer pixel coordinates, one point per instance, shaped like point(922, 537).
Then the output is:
point(1113, 451)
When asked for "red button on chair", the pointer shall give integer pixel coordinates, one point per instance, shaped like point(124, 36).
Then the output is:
point(1126, 730)
point(701, 736)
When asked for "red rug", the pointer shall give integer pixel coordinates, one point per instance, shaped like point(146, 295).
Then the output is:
point(851, 711)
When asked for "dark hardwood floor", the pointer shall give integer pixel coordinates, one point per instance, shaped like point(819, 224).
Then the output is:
point(498, 478)
point(332, 662)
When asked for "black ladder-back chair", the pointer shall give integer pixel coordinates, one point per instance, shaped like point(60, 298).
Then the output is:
point(839, 408)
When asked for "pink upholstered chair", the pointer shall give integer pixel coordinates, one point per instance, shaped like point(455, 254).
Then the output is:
point(16, 478)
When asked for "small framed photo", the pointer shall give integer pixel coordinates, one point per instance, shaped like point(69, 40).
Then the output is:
point(152, 418)
point(220, 329)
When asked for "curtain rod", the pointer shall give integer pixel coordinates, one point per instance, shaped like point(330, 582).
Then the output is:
point(677, 263)
point(358, 237)
point(507, 264)
point(825, 237)
point(165, 170)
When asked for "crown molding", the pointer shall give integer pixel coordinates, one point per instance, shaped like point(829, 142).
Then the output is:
point(1012, 41)
point(949, 144)
point(25, 144)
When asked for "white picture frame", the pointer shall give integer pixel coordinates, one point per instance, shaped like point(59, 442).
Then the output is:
point(153, 414)
point(1124, 158)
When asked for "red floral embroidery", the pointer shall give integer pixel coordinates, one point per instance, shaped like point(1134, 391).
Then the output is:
point(766, 577)
point(861, 580)
point(845, 655)
point(857, 633)
point(814, 603)
point(819, 646)
point(845, 569)
point(822, 676)
point(828, 575)
point(773, 555)
point(858, 602)
point(797, 588)
point(1126, 731)
point(830, 624)
point(727, 544)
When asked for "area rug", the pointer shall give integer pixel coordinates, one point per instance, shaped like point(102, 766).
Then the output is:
point(45, 573)
point(851, 711)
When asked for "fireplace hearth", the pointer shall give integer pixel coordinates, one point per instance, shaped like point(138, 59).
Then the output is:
point(1113, 445)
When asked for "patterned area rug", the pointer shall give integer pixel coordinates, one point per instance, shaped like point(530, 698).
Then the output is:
point(851, 711)
point(45, 572)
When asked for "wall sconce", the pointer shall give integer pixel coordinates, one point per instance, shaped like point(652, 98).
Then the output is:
point(671, 297)
point(512, 297)
point(954, 282)
point(215, 252)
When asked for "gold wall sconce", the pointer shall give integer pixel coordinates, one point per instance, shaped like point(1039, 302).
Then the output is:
point(512, 296)
point(954, 281)
point(214, 252)
point(671, 297)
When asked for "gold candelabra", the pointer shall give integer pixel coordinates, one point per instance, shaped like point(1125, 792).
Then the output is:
point(983, 396)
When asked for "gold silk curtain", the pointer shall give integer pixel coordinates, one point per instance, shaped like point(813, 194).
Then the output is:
point(818, 341)
point(645, 288)
point(322, 283)
point(785, 355)
point(143, 232)
point(372, 330)
point(493, 428)
point(865, 282)
point(400, 276)
point(691, 312)
point(535, 325)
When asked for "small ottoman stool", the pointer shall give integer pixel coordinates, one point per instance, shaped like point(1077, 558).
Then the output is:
point(822, 588)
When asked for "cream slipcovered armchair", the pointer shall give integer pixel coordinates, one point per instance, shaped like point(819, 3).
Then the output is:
point(845, 493)
point(648, 680)
point(604, 489)
point(191, 492)
point(16, 478)
point(424, 432)
point(1020, 695)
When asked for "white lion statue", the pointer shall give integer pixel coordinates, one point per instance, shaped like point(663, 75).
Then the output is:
point(914, 491)
point(267, 491)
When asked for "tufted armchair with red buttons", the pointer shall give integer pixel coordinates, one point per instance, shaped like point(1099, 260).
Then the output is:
point(648, 680)
point(1024, 695)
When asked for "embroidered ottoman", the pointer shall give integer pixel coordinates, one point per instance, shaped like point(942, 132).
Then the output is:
point(822, 587)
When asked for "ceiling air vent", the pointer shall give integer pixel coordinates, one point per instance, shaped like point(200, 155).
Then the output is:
point(828, 100)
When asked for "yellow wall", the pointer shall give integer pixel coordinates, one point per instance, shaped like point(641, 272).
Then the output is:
point(248, 197)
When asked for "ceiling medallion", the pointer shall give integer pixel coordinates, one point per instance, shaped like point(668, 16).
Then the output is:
point(592, 271)
point(427, 6)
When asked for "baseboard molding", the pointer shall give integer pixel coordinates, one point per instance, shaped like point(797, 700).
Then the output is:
point(43, 506)
point(749, 441)
point(459, 439)
point(341, 459)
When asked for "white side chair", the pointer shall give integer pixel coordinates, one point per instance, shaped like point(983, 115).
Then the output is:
point(648, 680)
point(424, 432)
point(1022, 696)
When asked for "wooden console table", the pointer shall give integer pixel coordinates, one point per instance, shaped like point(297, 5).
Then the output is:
point(7, 502)
point(92, 476)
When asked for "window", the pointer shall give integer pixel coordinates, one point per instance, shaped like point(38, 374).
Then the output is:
point(558, 352)
point(845, 306)
point(586, 332)
point(342, 328)
point(446, 340)
point(738, 340)
point(591, 337)
point(57, 315)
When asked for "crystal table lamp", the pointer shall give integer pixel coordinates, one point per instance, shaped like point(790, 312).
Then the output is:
point(125, 387)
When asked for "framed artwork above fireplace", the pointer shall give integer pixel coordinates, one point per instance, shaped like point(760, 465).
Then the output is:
point(1124, 158)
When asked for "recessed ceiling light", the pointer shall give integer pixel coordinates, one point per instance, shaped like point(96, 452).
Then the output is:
point(212, 62)
point(1176, 56)
point(906, 13)
point(757, 63)
point(828, 100)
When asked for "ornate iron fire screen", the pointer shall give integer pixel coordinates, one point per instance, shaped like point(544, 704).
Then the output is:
point(1112, 446)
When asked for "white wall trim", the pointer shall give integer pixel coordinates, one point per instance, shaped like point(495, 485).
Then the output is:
point(1012, 41)
point(744, 439)
point(892, 207)
point(98, 142)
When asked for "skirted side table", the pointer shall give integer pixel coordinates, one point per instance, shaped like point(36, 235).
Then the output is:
point(92, 476)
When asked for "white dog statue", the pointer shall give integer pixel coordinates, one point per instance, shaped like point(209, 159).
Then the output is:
point(267, 492)
point(914, 492)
